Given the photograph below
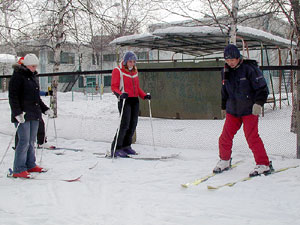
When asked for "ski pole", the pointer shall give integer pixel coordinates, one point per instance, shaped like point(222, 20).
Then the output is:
point(150, 115)
point(118, 130)
point(55, 131)
point(44, 140)
point(12, 138)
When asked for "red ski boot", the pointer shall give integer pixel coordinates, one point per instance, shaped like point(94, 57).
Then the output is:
point(37, 169)
point(23, 174)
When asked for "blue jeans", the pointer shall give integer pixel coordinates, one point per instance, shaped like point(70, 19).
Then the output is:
point(25, 153)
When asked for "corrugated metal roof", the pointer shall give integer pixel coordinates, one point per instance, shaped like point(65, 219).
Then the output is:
point(201, 40)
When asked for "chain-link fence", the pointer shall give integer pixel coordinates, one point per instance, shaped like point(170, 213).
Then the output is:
point(96, 119)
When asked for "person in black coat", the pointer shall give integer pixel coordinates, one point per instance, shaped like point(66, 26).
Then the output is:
point(244, 92)
point(26, 108)
point(41, 134)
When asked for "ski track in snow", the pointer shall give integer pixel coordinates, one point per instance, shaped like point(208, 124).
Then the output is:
point(139, 192)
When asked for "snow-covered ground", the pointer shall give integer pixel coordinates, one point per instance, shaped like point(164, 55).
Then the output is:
point(137, 192)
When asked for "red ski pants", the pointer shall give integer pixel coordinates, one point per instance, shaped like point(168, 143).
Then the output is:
point(231, 126)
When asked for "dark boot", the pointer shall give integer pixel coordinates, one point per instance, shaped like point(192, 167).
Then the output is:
point(120, 153)
point(129, 151)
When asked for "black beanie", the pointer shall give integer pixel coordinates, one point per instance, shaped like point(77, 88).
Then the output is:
point(231, 52)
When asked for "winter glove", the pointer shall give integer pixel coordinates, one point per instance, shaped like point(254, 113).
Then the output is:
point(20, 118)
point(49, 93)
point(256, 109)
point(148, 96)
point(50, 113)
point(123, 96)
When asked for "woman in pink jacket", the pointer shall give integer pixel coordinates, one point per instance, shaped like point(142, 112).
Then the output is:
point(125, 85)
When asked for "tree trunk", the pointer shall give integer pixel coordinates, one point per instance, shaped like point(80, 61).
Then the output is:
point(57, 52)
point(296, 9)
point(298, 101)
point(233, 25)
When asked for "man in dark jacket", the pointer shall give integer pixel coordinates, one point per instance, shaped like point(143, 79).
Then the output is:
point(244, 92)
point(26, 108)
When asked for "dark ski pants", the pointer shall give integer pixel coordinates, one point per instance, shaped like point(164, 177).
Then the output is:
point(250, 126)
point(128, 123)
point(41, 132)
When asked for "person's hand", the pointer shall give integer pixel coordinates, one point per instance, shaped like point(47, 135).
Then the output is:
point(148, 96)
point(256, 109)
point(49, 93)
point(223, 113)
point(124, 96)
point(20, 118)
point(50, 113)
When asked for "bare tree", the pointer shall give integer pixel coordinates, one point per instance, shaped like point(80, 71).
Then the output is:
point(291, 10)
point(59, 38)
point(53, 22)
point(8, 9)
point(220, 13)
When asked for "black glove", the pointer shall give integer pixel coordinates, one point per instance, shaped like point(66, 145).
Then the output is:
point(124, 96)
point(49, 93)
point(148, 96)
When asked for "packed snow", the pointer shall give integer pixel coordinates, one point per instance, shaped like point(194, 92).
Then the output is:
point(140, 192)
point(203, 31)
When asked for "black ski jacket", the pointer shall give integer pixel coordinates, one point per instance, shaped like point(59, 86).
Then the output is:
point(24, 94)
point(242, 87)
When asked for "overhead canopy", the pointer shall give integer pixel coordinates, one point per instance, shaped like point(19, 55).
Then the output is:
point(201, 40)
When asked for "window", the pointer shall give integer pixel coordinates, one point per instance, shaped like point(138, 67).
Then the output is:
point(107, 81)
point(91, 81)
point(110, 57)
point(80, 82)
point(65, 57)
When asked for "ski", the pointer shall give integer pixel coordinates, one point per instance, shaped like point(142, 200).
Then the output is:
point(92, 167)
point(99, 153)
point(54, 179)
point(10, 175)
point(163, 157)
point(139, 156)
point(230, 184)
point(205, 178)
point(63, 148)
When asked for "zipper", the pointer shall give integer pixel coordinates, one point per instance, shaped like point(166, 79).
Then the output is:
point(133, 86)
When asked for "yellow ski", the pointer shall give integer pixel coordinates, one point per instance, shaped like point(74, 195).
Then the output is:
point(247, 178)
point(205, 178)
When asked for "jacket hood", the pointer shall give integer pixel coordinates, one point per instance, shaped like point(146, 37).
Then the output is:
point(124, 68)
point(16, 66)
point(23, 69)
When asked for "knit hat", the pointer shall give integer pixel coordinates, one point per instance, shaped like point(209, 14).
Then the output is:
point(231, 52)
point(30, 59)
point(128, 56)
